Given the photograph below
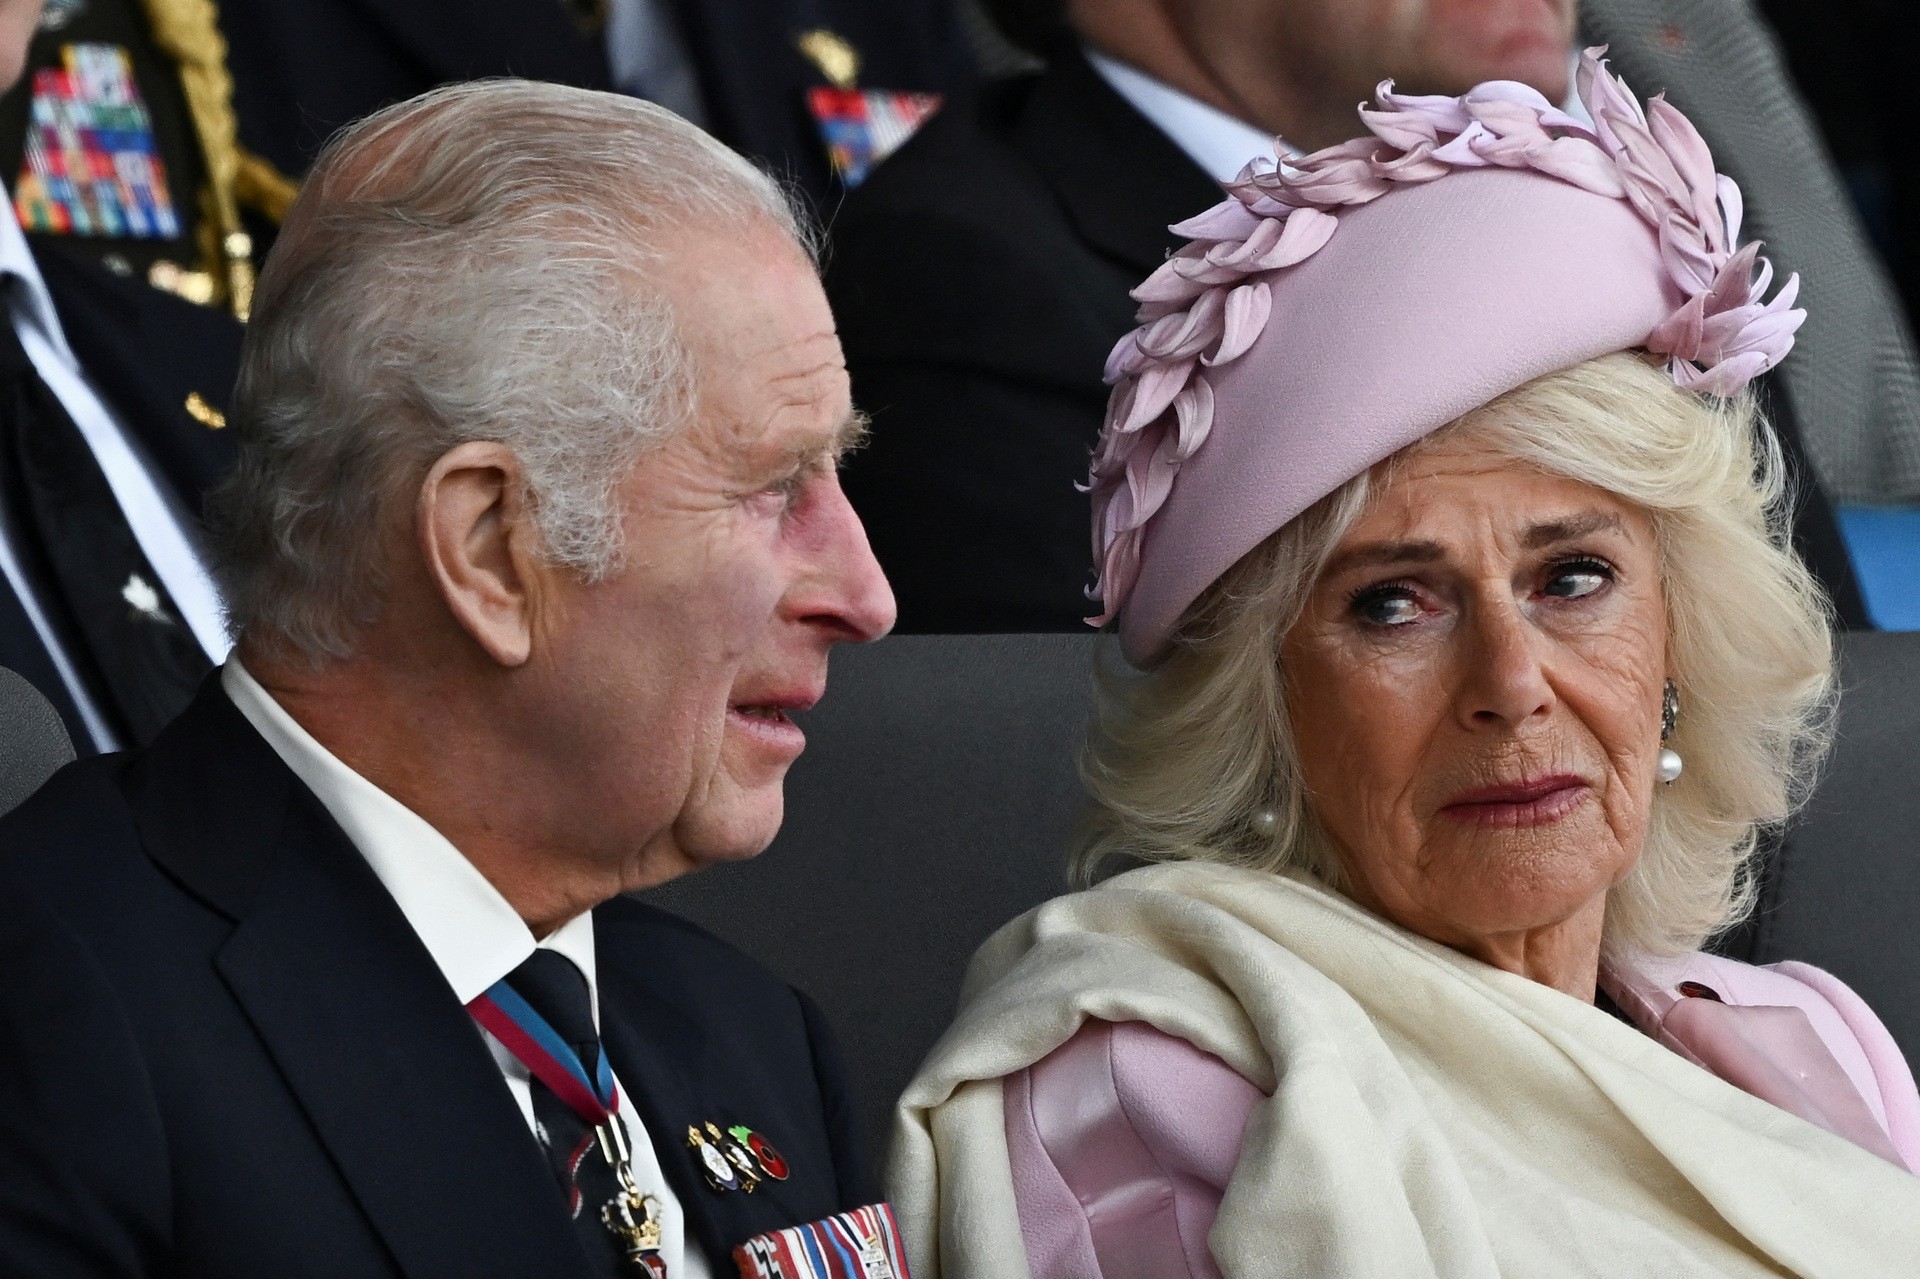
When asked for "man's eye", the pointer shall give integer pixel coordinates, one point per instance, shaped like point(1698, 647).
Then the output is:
point(1385, 605)
point(1577, 579)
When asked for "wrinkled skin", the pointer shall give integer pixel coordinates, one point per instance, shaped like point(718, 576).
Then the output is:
point(575, 738)
point(1481, 626)
point(1298, 68)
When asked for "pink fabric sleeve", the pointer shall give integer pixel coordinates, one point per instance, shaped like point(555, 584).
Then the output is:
point(1898, 1094)
point(1122, 1141)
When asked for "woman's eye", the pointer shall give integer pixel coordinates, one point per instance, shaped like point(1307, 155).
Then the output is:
point(1577, 579)
point(1386, 606)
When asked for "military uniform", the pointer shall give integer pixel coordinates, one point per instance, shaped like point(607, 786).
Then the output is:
point(815, 89)
point(119, 143)
point(117, 146)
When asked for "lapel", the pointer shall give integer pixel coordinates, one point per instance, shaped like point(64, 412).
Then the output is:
point(387, 1065)
point(1121, 180)
point(656, 1049)
point(461, 39)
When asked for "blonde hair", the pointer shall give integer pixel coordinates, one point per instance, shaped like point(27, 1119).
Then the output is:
point(1185, 758)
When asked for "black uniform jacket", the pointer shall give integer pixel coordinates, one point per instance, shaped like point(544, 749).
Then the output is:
point(145, 352)
point(980, 278)
point(303, 68)
point(224, 1053)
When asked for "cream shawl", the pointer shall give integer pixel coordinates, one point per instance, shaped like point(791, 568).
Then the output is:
point(1428, 1114)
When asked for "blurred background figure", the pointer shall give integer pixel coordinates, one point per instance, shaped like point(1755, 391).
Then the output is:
point(977, 330)
point(112, 393)
point(815, 89)
point(118, 142)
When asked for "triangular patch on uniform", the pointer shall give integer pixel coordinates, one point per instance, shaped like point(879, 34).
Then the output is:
point(862, 127)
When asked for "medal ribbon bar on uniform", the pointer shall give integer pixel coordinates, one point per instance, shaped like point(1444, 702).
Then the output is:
point(528, 1036)
point(862, 1244)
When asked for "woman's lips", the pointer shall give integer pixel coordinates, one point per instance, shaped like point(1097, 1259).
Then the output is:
point(1536, 801)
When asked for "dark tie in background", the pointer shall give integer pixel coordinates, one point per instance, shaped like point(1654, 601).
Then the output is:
point(557, 989)
point(109, 608)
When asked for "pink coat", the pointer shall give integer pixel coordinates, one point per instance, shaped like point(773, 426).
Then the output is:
point(1123, 1139)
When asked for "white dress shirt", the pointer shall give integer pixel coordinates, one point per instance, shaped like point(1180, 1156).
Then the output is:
point(466, 925)
point(159, 526)
point(1215, 141)
point(1218, 142)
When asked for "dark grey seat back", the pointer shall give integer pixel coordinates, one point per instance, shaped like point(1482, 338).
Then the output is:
point(938, 795)
point(935, 801)
point(33, 741)
point(1844, 892)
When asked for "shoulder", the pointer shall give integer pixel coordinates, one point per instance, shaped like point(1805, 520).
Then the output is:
point(637, 935)
point(1123, 1112)
point(64, 829)
point(710, 983)
point(1851, 1031)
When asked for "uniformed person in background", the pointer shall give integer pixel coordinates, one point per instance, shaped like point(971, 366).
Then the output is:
point(817, 90)
point(113, 391)
point(119, 141)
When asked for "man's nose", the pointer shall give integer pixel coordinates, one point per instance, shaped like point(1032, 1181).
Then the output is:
point(848, 592)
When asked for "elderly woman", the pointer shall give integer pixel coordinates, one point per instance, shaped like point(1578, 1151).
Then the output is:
point(1435, 512)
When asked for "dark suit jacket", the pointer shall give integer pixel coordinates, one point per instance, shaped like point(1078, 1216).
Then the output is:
point(980, 278)
point(145, 352)
point(303, 68)
point(224, 1053)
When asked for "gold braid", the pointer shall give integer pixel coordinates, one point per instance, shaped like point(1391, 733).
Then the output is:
point(188, 32)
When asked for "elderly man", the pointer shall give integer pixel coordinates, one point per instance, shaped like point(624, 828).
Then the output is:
point(535, 541)
point(982, 275)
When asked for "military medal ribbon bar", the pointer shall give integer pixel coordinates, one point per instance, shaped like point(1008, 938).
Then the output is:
point(862, 1244)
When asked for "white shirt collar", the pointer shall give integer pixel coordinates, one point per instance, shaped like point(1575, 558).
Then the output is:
point(29, 299)
point(1218, 142)
point(467, 926)
point(1214, 140)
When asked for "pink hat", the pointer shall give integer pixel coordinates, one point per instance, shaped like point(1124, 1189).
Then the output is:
point(1276, 359)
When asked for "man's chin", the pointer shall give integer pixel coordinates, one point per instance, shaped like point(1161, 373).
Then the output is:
point(736, 831)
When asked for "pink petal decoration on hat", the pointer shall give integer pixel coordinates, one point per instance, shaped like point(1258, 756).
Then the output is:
point(1209, 302)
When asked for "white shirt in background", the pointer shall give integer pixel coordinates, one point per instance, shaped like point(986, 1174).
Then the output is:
point(159, 526)
point(649, 58)
point(472, 933)
point(1214, 140)
point(1222, 144)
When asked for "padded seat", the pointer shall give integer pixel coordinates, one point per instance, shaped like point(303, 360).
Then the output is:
point(33, 741)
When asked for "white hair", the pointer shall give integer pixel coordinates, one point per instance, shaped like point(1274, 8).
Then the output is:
point(472, 264)
point(1186, 756)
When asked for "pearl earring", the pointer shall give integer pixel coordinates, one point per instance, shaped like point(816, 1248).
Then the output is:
point(1671, 764)
point(1265, 822)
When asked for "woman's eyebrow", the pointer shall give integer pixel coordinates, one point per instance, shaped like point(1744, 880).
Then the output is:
point(1376, 554)
point(1572, 528)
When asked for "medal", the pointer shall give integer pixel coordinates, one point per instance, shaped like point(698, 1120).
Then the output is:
point(769, 1160)
point(735, 1157)
point(632, 1215)
point(714, 1165)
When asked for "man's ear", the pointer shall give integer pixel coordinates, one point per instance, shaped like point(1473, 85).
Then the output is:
point(480, 546)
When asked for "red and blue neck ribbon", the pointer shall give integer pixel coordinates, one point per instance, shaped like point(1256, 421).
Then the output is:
point(528, 1036)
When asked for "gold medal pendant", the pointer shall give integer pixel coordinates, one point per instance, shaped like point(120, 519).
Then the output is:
point(634, 1219)
point(632, 1215)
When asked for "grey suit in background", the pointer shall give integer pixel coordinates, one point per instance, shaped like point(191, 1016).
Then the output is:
point(1852, 382)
